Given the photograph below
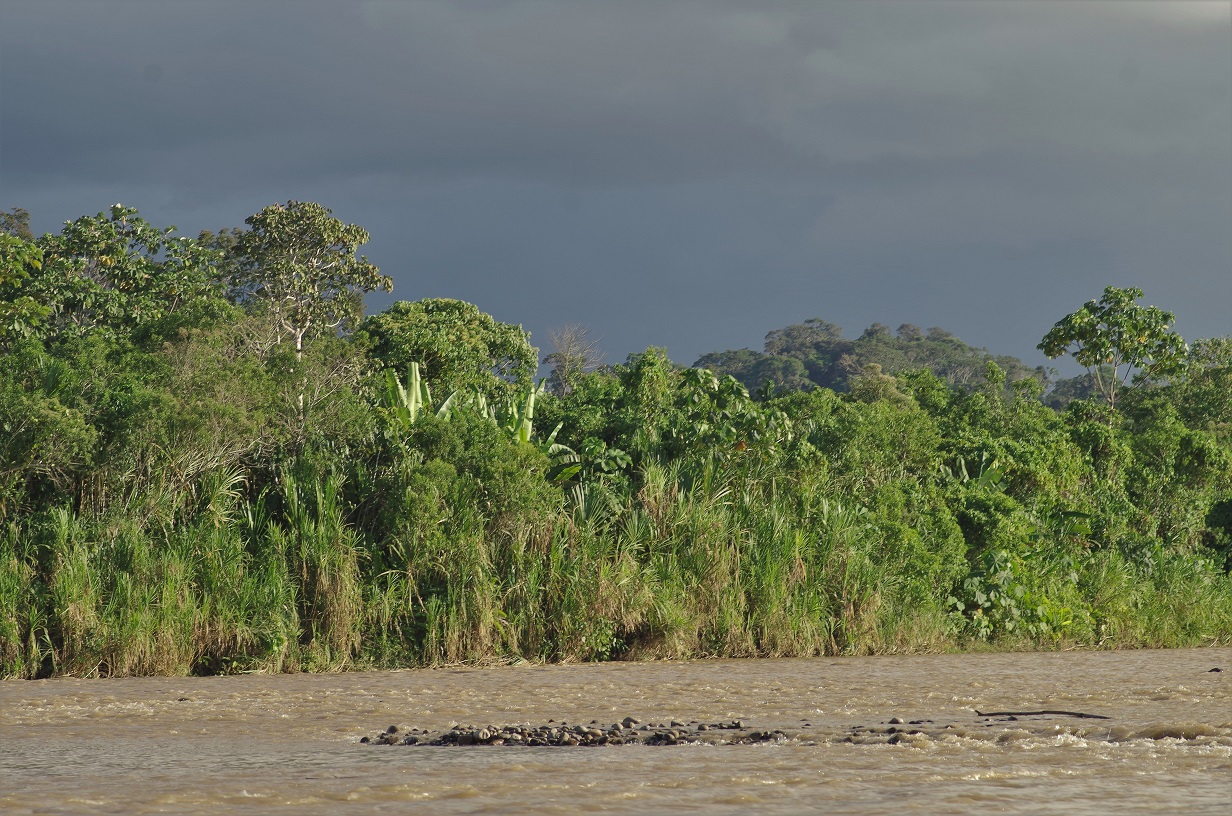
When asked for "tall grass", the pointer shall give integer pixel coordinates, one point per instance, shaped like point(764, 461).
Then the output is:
point(705, 559)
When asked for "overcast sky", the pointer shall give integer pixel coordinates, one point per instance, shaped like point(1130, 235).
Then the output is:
point(680, 173)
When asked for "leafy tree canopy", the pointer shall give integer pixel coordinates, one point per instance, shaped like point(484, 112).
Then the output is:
point(457, 345)
point(815, 354)
point(16, 222)
point(300, 262)
point(1064, 391)
point(114, 273)
point(1115, 338)
point(20, 314)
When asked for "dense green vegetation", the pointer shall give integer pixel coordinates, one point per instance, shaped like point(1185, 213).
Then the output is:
point(814, 354)
point(210, 462)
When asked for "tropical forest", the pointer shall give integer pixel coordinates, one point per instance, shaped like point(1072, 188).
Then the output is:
point(212, 460)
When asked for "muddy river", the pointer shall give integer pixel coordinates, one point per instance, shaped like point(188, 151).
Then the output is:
point(858, 735)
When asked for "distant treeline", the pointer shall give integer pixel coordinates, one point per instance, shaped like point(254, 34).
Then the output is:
point(814, 354)
point(212, 461)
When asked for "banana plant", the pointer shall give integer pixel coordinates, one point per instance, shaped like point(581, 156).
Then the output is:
point(990, 473)
point(515, 417)
point(405, 403)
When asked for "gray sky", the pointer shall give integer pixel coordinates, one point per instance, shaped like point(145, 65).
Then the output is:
point(681, 173)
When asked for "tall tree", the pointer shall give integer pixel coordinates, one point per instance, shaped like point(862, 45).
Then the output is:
point(1115, 338)
point(300, 262)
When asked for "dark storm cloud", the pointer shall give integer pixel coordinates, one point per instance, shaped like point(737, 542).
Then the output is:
point(688, 173)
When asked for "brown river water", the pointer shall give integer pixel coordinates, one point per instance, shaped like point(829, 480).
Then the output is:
point(290, 743)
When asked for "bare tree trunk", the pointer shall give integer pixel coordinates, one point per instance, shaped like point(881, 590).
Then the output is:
point(574, 352)
point(299, 363)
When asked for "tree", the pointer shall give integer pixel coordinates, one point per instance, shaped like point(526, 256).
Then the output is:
point(16, 222)
point(759, 373)
point(1115, 338)
point(909, 332)
point(300, 262)
point(458, 347)
point(877, 331)
point(114, 273)
point(1062, 392)
point(812, 333)
point(1203, 398)
point(574, 352)
point(42, 438)
point(20, 314)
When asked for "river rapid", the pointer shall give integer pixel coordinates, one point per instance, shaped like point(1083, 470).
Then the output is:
point(290, 743)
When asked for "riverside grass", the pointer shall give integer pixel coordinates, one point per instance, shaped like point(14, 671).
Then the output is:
point(703, 562)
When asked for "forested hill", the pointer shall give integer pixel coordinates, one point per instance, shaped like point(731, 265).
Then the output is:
point(814, 354)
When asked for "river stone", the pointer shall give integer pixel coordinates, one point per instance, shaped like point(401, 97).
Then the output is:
point(587, 736)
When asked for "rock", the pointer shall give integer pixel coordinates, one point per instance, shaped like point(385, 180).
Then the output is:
point(896, 721)
point(629, 732)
